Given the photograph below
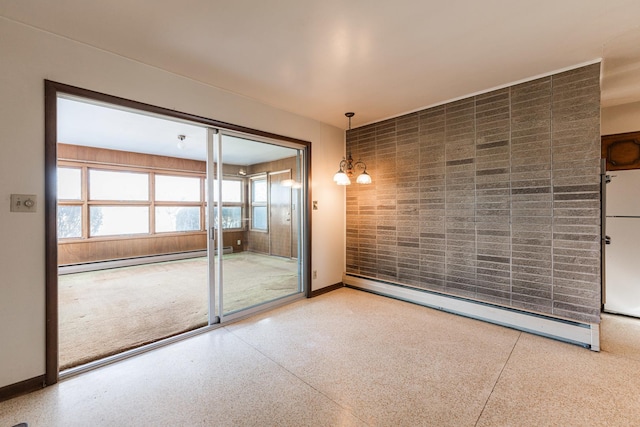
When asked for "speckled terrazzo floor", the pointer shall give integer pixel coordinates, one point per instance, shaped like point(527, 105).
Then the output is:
point(352, 358)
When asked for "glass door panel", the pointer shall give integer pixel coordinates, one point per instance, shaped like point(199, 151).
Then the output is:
point(212, 193)
point(131, 239)
point(257, 197)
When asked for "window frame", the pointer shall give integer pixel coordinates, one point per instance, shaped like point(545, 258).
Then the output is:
point(93, 199)
point(86, 202)
point(121, 206)
point(178, 204)
point(74, 202)
point(253, 204)
point(241, 204)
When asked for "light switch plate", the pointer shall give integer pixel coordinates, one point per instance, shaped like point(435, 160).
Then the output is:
point(23, 203)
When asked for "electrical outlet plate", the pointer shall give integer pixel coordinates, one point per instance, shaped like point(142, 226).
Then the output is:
point(23, 203)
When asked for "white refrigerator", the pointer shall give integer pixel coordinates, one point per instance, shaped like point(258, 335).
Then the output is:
point(622, 255)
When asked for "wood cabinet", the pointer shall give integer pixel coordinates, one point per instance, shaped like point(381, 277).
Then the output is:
point(622, 151)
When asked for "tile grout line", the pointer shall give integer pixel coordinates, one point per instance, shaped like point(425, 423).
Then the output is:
point(300, 379)
point(497, 379)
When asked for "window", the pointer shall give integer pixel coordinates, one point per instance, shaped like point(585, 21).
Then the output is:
point(118, 201)
point(69, 183)
point(69, 222)
point(231, 217)
point(232, 203)
point(178, 203)
point(116, 220)
point(259, 217)
point(177, 188)
point(70, 210)
point(117, 185)
point(177, 218)
point(105, 201)
point(259, 190)
point(231, 191)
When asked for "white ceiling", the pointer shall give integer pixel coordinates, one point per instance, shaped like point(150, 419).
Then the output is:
point(379, 58)
point(106, 126)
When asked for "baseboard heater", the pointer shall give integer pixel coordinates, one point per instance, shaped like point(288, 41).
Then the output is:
point(583, 334)
point(226, 250)
point(127, 262)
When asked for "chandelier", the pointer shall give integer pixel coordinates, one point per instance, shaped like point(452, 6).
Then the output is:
point(348, 168)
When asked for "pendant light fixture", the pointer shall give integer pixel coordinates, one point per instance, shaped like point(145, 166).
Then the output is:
point(348, 167)
point(181, 142)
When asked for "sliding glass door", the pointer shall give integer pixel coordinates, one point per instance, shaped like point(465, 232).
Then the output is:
point(256, 250)
point(160, 224)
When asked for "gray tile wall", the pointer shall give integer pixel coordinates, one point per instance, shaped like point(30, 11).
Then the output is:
point(494, 197)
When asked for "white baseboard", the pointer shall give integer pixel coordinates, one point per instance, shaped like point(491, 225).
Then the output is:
point(102, 265)
point(584, 334)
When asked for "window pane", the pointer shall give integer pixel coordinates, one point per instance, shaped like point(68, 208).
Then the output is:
point(259, 191)
point(109, 185)
point(114, 220)
point(69, 222)
point(259, 218)
point(69, 184)
point(177, 218)
point(231, 191)
point(231, 217)
point(177, 188)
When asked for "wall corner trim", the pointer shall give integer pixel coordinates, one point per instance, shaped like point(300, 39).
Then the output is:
point(22, 387)
point(583, 334)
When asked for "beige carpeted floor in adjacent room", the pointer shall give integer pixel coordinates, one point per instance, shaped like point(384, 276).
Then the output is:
point(108, 311)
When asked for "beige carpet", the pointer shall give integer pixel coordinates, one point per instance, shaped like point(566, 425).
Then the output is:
point(106, 312)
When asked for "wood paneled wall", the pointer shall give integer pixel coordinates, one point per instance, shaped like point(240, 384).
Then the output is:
point(258, 241)
point(108, 249)
point(89, 250)
point(125, 158)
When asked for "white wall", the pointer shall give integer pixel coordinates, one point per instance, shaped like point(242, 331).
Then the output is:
point(27, 57)
point(620, 119)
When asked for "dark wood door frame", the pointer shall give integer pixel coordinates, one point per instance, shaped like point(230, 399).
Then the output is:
point(51, 91)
